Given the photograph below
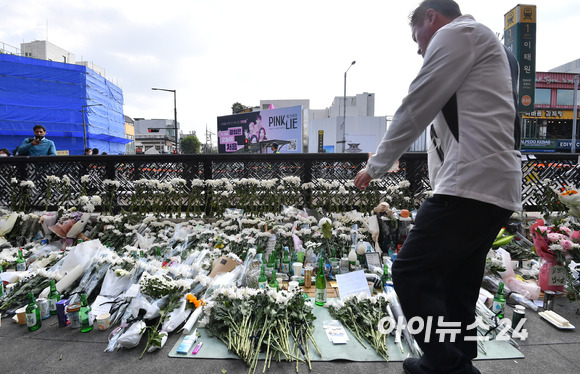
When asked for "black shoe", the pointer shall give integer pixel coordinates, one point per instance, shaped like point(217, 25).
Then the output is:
point(412, 366)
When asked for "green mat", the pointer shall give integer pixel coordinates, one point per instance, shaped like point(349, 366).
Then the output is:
point(352, 351)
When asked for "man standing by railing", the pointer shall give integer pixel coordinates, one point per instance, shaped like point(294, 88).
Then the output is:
point(37, 146)
point(466, 88)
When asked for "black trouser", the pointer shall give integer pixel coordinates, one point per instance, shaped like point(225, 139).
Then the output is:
point(439, 270)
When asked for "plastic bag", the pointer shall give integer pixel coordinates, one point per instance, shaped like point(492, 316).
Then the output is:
point(176, 317)
point(528, 290)
point(132, 336)
point(114, 285)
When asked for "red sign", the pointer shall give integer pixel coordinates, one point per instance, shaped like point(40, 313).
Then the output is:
point(526, 100)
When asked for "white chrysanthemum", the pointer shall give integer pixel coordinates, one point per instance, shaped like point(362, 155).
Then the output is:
point(96, 200)
point(85, 179)
point(66, 180)
point(53, 179)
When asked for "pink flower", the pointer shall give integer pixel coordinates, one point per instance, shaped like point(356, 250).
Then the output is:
point(566, 230)
point(566, 244)
point(555, 237)
point(575, 236)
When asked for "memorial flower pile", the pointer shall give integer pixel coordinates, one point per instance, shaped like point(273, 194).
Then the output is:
point(362, 315)
point(250, 321)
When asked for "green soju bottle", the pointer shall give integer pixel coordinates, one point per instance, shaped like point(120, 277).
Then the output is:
point(274, 282)
point(386, 279)
point(33, 320)
point(85, 315)
point(293, 259)
point(498, 306)
point(53, 298)
point(262, 279)
point(286, 262)
point(20, 262)
point(320, 293)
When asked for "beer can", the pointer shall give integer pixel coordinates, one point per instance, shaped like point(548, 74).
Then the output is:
point(519, 313)
point(43, 306)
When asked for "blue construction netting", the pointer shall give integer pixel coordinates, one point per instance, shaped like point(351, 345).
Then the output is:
point(53, 94)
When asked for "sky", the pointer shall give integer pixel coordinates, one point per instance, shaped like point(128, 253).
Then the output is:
point(218, 52)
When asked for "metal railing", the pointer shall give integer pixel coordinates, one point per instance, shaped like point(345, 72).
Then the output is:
point(315, 169)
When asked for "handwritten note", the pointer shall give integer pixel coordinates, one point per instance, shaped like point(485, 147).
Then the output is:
point(352, 283)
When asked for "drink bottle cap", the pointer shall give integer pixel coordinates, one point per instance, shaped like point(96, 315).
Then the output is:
point(404, 213)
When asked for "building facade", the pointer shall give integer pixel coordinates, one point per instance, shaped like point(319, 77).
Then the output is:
point(549, 127)
point(154, 136)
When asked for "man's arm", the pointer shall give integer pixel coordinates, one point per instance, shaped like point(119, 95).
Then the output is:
point(448, 60)
point(24, 148)
point(51, 149)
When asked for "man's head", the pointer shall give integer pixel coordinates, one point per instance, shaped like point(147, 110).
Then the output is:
point(95, 151)
point(274, 147)
point(88, 151)
point(429, 17)
point(39, 131)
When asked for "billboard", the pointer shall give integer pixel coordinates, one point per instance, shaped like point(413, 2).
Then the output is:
point(256, 132)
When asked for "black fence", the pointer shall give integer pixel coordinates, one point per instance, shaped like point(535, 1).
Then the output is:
point(328, 177)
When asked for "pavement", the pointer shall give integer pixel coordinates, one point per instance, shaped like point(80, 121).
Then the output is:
point(54, 349)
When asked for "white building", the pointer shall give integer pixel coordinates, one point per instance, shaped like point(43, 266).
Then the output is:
point(155, 135)
point(363, 129)
point(45, 50)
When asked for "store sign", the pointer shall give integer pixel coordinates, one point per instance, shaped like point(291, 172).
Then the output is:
point(548, 145)
point(551, 114)
point(520, 39)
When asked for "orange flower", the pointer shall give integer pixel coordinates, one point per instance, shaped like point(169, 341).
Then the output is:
point(193, 300)
point(570, 192)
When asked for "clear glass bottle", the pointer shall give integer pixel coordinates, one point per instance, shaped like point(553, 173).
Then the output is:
point(352, 258)
point(53, 298)
point(85, 315)
point(1, 283)
point(320, 284)
point(33, 319)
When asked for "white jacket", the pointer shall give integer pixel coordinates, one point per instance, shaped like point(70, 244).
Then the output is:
point(465, 65)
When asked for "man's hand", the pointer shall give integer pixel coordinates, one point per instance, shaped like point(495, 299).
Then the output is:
point(35, 142)
point(362, 179)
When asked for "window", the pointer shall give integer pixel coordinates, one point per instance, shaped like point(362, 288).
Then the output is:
point(565, 97)
point(543, 96)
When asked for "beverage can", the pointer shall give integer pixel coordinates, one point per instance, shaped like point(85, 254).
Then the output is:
point(519, 313)
point(43, 305)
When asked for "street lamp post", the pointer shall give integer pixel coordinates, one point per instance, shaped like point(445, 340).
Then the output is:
point(342, 127)
point(84, 124)
point(174, 114)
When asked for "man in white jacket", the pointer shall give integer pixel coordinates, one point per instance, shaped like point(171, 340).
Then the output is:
point(466, 91)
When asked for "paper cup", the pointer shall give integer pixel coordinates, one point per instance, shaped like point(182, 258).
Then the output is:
point(297, 268)
point(21, 315)
point(293, 285)
point(103, 321)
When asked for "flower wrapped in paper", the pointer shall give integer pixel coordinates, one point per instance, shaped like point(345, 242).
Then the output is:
point(555, 244)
